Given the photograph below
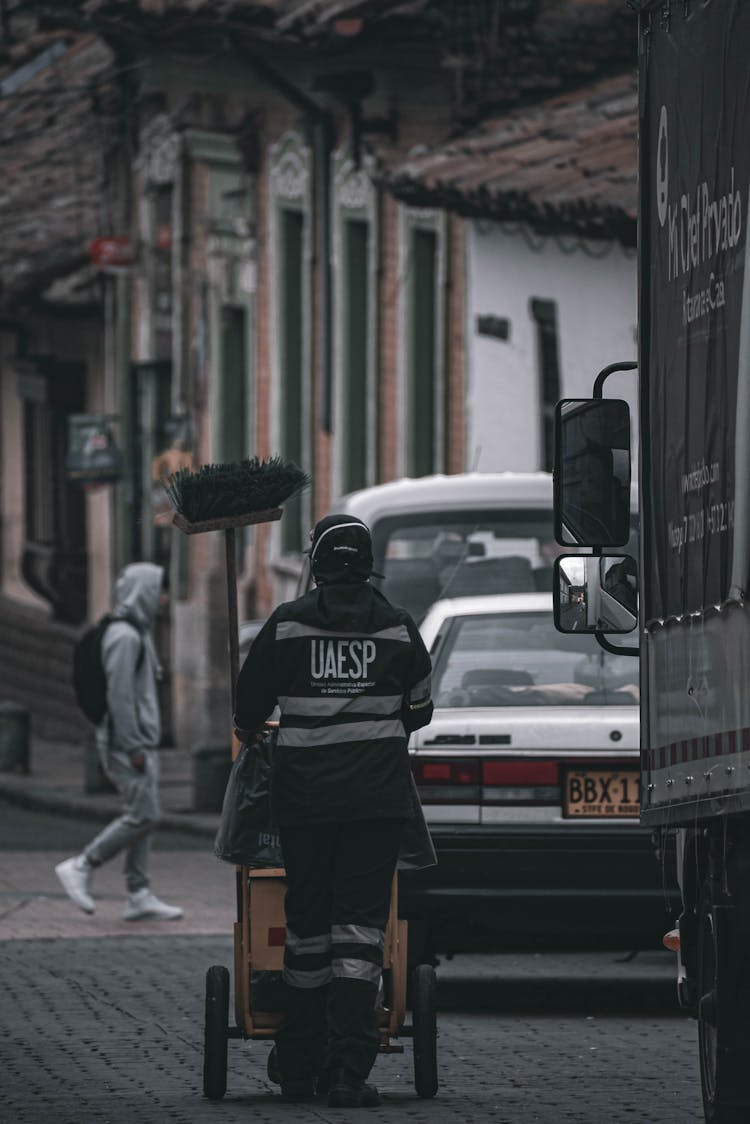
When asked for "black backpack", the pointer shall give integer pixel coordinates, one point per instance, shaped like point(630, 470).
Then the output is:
point(89, 678)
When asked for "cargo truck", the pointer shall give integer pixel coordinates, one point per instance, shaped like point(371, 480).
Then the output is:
point(693, 611)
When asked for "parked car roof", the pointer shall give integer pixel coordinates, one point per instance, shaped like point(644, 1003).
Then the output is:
point(466, 489)
point(483, 603)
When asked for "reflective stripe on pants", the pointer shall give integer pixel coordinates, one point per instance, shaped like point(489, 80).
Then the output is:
point(357, 952)
point(338, 885)
point(307, 960)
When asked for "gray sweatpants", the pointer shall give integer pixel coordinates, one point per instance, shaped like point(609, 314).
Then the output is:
point(132, 830)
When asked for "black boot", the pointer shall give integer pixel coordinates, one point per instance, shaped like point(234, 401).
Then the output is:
point(301, 1090)
point(346, 1092)
point(272, 1067)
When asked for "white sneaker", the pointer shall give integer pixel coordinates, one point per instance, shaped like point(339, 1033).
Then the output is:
point(145, 906)
point(75, 876)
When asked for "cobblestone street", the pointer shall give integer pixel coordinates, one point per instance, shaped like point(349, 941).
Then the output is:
point(109, 1031)
point(102, 1020)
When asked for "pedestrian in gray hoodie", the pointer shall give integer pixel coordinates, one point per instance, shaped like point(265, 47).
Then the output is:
point(127, 740)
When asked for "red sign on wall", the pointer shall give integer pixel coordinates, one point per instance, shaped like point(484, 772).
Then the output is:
point(115, 252)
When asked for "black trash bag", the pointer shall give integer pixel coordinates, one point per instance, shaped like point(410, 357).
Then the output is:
point(416, 851)
point(247, 835)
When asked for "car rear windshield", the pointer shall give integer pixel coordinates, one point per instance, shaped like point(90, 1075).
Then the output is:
point(425, 558)
point(519, 659)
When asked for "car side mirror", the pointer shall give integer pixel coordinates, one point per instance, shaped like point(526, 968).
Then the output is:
point(595, 593)
point(592, 472)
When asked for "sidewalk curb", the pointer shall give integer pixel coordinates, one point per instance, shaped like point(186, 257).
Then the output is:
point(93, 808)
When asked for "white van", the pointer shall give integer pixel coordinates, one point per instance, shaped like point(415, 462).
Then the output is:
point(455, 536)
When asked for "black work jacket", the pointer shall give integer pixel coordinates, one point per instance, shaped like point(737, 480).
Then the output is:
point(351, 677)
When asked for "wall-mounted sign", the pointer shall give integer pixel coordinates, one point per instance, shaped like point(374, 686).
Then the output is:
point(93, 456)
point(115, 252)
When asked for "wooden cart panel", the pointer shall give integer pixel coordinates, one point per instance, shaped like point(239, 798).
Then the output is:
point(259, 947)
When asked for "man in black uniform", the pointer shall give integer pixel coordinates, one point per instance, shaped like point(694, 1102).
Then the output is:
point(351, 677)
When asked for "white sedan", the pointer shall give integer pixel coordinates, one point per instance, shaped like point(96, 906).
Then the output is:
point(529, 778)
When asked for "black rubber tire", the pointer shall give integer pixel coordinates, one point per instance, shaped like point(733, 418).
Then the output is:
point(424, 1022)
point(216, 1033)
point(419, 950)
point(722, 1065)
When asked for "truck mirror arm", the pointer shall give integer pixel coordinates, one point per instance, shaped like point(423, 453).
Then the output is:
point(598, 392)
point(615, 649)
point(606, 372)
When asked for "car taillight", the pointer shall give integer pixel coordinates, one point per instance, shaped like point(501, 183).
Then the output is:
point(447, 780)
point(469, 780)
point(509, 782)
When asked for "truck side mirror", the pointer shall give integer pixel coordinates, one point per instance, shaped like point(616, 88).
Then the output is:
point(595, 593)
point(592, 472)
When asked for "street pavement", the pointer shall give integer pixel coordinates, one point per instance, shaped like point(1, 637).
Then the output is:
point(102, 1019)
point(109, 1031)
point(56, 783)
point(32, 901)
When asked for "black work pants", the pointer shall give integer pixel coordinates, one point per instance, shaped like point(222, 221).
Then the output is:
point(337, 903)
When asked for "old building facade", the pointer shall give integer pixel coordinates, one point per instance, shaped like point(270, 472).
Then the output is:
point(259, 283)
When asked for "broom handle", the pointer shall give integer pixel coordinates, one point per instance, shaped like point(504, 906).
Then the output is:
point(234, 643)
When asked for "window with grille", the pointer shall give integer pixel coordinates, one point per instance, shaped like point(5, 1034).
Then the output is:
point(545, 315)
point(234, 438)
point(291, 335)
point(355, 434)
point(162, 265)
point(421, 388)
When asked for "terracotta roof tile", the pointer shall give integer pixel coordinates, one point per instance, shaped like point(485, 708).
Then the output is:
point(55, 127)
point(218, 8)
point(567, 163)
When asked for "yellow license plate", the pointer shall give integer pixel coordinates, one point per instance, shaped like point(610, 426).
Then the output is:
point(602, 794)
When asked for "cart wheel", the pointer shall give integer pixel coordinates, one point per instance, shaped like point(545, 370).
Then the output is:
point(216, 1027)
point(424, 1020)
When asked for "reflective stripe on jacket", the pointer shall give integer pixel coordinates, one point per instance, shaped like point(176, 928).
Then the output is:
point(351, 677)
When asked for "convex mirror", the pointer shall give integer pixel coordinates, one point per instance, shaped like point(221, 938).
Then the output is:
point(592, 472)
point(596, 593)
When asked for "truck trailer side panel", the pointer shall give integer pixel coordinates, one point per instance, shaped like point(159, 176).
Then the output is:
point(695, 406)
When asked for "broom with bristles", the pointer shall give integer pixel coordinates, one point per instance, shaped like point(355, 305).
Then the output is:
point(222, 497)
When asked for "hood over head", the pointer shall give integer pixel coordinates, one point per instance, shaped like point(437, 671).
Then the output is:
point(137, 592)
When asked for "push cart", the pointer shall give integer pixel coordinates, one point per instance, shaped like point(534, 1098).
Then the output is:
point(259, 948)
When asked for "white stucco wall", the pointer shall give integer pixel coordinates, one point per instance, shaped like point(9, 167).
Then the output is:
point(595, 294)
